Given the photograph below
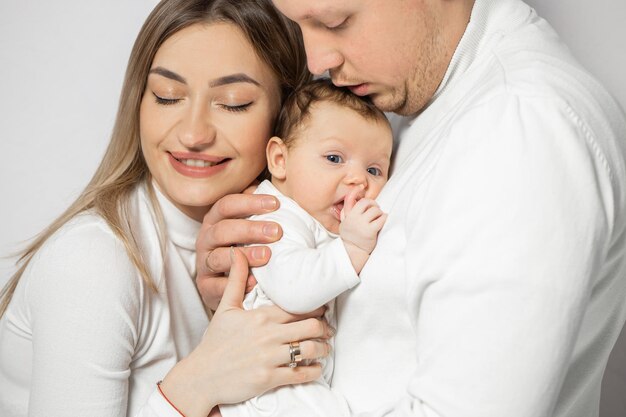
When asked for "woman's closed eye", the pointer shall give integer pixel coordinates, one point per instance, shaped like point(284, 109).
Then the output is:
point(236, 108)
point(164, 100)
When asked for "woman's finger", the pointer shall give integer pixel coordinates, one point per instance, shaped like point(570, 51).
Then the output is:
point(309, 350)
point(250, 283)
point(237, 206)
point(211, 289)
point(230, 232)
point(217, 261)
point(305, 330)
point(236, 286)
point(298, 375)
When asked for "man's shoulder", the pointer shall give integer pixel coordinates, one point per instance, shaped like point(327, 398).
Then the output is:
point(532, 61)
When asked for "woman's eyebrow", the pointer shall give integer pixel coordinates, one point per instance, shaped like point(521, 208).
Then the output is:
point(232, 79)
point(168, 74)
point(227, 79)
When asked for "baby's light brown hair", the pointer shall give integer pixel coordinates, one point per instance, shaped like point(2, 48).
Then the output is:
point(297, 107)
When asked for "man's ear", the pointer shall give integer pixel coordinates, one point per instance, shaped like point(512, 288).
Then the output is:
point(276, 153)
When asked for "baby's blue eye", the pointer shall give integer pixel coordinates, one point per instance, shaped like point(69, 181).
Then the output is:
point(335, 159)
point(374, 171)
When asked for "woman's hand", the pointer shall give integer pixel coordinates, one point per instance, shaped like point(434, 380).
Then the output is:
point(244, 353)
point(225, 225)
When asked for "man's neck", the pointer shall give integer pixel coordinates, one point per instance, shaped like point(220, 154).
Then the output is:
point(453, 19)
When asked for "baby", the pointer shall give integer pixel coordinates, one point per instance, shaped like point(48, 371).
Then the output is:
point(329, 161)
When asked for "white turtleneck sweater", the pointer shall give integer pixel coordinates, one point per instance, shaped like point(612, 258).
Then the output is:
point(498, 285)
point(84, 335)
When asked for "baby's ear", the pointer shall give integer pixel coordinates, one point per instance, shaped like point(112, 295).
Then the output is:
point(276, 153)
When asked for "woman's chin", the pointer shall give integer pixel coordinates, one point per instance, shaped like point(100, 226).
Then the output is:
point(194, 204)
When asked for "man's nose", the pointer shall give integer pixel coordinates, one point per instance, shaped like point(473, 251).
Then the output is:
point(321, 54)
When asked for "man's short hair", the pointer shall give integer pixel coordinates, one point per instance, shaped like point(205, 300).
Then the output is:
point(297, 107)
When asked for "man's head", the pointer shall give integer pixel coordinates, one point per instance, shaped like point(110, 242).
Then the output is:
point(330, 144)
point(394, 51)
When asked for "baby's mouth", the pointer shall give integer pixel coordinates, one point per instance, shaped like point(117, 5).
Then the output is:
point(336, 210)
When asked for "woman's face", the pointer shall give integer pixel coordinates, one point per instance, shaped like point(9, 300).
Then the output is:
point(206, 115)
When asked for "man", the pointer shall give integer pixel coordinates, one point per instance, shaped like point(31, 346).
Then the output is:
point(497, 287)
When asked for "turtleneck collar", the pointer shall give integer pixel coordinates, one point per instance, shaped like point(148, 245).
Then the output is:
point(468, 46)
point(485, 23)
point(182, 230)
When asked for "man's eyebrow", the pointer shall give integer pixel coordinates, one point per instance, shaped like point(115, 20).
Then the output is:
point(168, 74)
point(232, 79)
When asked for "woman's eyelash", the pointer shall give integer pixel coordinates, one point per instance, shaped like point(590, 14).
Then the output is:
point(165, 101)
point(169, 101)
point(239, 108)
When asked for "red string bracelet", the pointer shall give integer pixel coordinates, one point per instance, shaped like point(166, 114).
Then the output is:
point(168, 400)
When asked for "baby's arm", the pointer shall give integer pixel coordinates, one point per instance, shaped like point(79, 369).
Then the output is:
point(361, 222)
point(300, 276)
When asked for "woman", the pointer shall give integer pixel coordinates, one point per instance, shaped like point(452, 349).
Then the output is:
point(104, 304)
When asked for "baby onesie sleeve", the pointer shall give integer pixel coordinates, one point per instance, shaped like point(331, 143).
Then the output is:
point(300, 276)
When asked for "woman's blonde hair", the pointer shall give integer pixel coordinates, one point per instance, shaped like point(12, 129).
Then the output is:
point(277, 42)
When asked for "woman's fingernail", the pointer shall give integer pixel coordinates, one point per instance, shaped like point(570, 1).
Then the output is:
point(258, 253)
point(269, 203)
point(232, 254)
point(270, 230)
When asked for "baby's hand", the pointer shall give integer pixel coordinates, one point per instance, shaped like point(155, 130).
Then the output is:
point(350, 201)
point(360, 222)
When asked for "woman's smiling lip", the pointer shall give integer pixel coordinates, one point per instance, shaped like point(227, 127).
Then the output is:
point(197, 165)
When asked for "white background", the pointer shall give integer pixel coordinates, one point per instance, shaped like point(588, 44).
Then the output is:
point(61, 70)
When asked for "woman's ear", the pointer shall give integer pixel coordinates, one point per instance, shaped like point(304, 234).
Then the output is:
point(276, 153)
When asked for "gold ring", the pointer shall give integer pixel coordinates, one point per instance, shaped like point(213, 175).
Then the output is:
point(206, 263)
point(295, 355)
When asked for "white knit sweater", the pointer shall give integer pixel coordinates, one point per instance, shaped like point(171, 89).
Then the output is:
point(85, 336)
point(498, 283)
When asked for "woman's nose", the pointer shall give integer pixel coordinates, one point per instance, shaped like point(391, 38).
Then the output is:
point(196, 129)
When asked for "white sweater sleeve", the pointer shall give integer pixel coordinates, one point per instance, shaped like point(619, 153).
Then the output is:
point(509, 239)
point(86, 297)
point(301, 277)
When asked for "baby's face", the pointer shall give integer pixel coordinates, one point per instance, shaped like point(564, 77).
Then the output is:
point(336, 152)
